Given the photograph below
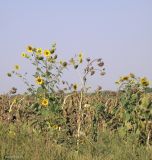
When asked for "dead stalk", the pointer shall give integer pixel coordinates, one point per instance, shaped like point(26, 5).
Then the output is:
point(65, 99)
point(148, 138)
point(79, 119)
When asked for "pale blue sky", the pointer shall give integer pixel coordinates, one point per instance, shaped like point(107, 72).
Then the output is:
point(119, 31)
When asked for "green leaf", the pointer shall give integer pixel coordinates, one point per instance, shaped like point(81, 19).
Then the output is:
point(40, 90)
point(126, 116)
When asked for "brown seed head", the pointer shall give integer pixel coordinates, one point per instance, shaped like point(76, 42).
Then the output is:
point(92, 73)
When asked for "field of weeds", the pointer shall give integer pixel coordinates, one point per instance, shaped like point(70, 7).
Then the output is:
point(57, 120)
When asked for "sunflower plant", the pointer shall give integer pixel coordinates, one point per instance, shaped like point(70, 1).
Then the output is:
point(135, 107)
point(46, 80)
point(89, 68)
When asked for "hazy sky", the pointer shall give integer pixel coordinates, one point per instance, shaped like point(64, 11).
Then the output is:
point(119, 31)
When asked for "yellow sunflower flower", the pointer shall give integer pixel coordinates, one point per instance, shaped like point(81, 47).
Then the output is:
point(17, 67)
point(44, 102)
point(39, 51)
point(72, 61)
point(39, 80)
point(23, 54)
point(29, 49)
point(55, 127)
point(47, 53)
point(80, 57)
point(144, 81)
point(124, 78)
point(117, 82)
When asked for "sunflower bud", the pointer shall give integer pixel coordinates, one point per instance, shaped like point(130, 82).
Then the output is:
point(9, 74)
point(131, 75)
point(55, 57)
point(52, 50)
point(63, 82)
point(102, 73)
point(88, 59)
point(13, 90)
point(75, 66)
point(99, 88)
point(64, 64)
